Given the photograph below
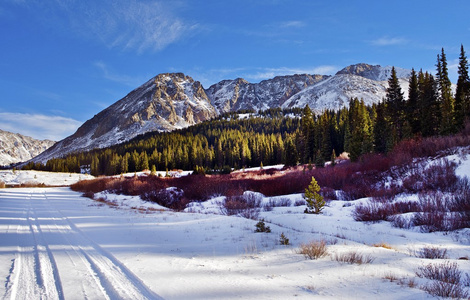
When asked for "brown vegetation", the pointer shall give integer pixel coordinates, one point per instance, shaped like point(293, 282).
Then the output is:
point(355, 180)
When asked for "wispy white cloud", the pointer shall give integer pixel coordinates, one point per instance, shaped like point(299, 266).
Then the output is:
point(38, 126)
point(133, 25)
point(292, 24)
point(389, 41)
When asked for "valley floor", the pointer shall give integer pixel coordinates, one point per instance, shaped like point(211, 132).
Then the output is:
point(55, 244)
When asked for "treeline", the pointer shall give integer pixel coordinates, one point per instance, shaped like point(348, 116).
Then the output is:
point(220, 144)
point(292, 136)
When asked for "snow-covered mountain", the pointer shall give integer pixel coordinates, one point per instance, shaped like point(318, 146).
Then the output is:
point(320, 92)
point(362, 81)
point(164, 103)
point(376, 72)
point(15, 148)
point(233, 95)
point(173, 101)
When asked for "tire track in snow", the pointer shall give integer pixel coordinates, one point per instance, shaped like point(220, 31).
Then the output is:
point(45, 258)
point(33, 273)
point(114, 279)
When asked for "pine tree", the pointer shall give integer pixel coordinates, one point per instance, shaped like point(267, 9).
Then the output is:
point(291, 154)
point(359, 139)
point(429, 108)
point(412, 110)
point(447, 101)
point(462, 94)
point(395, 109)
point(307, 140)
point(380, 129)
point(315, 202)
point(95, 166)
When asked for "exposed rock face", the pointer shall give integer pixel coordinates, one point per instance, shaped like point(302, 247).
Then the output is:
point(173, 100)
point(15, 148)
point(166, 102)
point(233, 95)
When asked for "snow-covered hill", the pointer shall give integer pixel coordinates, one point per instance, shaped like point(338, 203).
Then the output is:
point(15, 148)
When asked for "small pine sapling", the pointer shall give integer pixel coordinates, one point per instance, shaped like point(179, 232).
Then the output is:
point(283, 240)
point(315, 202)
point(153, 171)
point(261, 227)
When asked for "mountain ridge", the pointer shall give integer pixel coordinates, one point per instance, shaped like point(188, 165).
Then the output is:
point(171, 101)
point(16, 148)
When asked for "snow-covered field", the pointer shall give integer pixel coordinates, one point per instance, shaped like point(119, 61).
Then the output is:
point(55, 244)
point(17, 177)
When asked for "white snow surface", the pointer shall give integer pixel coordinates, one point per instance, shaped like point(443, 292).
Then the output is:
point(56, 244)
point(18, 177)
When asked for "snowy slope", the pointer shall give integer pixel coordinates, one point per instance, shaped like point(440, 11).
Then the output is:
point(335, 92)
point(16, 148)
point(59, 245)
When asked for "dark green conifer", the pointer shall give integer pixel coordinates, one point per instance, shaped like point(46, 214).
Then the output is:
point(462, 93)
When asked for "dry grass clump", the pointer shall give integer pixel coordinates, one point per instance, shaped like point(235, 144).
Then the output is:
point(353, 257)
point(382, 245)
point(313, 249)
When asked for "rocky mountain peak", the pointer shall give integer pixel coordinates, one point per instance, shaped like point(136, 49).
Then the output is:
point(373, 72)
point(166, 102)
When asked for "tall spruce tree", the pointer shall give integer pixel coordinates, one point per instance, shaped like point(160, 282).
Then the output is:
point(380, 129)
point(429, 108)
point(395, 110)
point(412, 109)
point(462, 94)
point(359, 130)
point(307, 139)
point(447, 101)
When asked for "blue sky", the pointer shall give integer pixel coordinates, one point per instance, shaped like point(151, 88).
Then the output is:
point(63, 61)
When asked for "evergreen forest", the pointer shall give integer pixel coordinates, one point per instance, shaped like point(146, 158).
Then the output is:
point(292, 136)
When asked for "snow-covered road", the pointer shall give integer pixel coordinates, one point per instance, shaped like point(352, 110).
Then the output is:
point(49, 257)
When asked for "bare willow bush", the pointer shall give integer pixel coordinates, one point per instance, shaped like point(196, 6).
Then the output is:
point(446, 280)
